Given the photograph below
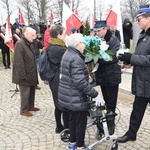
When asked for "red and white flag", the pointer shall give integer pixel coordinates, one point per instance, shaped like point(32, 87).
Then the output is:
point(114, 18)
point(21, 18)
point(8, 35)
point(69, 19)
point(51, 16)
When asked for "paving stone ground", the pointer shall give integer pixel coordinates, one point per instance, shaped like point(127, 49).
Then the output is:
point(38, 132)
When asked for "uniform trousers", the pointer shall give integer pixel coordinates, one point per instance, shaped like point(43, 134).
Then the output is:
point(77, 127)
point(110, 94)
point(137, 114)
point(27, 94)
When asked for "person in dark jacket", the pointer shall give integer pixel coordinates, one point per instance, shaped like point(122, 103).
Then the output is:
point(5, 49)
point(108, 74)
point(42, 27)
point(17, 35)
point(115, 32)
point(140, 60)
point(25, 71)
point(55, 50)
point(127, 32)
point(16, 25)
point(74, 90)
point(37, 44)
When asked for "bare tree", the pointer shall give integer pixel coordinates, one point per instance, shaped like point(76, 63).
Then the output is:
point(130, 8)
point(42, 7)
point(7, 6)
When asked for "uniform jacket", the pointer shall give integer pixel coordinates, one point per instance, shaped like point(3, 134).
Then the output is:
point(109, 73)
point(74, 86)
point(141, 62)
point(24, 66)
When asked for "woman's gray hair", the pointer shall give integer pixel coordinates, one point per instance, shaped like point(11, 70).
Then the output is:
point(74, 39)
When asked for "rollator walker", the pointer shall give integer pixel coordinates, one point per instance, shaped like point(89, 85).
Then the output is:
point(100, 118)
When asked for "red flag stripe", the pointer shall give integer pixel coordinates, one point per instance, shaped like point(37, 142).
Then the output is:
point(112, 18)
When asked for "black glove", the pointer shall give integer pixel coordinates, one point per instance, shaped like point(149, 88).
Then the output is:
point(126, 57)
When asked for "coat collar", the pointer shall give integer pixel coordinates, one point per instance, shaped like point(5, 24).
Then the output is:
point(76, 51)
point(147, 31)
point(108, 36)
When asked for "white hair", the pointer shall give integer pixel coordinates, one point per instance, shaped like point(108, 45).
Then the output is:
point(29, 30)
point(74, 39)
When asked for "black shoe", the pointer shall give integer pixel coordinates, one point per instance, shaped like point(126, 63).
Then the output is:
point(125, 139)
point(5, 67)
point(58, 130)
point(9, 67)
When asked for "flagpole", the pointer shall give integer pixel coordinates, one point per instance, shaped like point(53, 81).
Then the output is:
point(95, 9)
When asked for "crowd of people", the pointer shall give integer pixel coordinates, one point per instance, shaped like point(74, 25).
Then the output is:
point(70, 84)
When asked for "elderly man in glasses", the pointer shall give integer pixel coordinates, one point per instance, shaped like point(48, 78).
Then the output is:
point(140, 59)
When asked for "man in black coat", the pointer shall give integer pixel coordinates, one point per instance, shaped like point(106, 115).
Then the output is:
point(140, 59)
point(5, 50)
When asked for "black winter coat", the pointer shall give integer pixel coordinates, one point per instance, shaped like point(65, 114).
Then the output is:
point(55, 53)
point(141, 62)
point(109, 73)
point(74, 87)
point(3, 46)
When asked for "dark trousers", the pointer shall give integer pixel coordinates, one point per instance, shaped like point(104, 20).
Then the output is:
point(6, 58)
point(137, 114)
point(27, 94)
point(110, 94)
point(53, 84)
point(77, 127)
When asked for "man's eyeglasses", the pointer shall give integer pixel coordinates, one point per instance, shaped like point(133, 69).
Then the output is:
point(139, 19)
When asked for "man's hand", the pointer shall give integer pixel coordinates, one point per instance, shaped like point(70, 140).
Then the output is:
point(126, 57)
point(99, 101)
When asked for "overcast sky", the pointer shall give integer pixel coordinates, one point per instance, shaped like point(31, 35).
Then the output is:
point(3, 15)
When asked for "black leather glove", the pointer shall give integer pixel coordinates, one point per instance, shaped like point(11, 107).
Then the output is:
point(126, 57)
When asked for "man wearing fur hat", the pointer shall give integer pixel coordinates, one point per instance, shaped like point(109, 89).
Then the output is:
point(140, 60)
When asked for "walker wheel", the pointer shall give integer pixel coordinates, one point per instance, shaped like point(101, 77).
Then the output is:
point(114, 146)
point(64, 135)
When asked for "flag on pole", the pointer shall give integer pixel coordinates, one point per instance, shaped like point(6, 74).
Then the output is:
point(76, 12)
point(51, 16)
point(21, 18)
point(69, 19)
point(8, 35)
point(114, 18)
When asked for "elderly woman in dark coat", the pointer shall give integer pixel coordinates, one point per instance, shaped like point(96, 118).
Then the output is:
point(55, 51)
point(74, 88)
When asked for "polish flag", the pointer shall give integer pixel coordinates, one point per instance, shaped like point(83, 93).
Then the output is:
point(114, 18)
point(21, 17)
point(51, 16)
point(69, 19)
point(8, 35)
